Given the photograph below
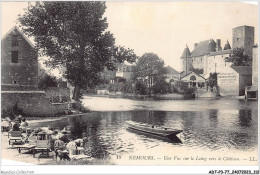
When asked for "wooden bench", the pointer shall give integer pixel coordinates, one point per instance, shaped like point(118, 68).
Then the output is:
point(24, 147)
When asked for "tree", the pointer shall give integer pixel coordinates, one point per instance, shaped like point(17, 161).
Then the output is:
point(47, 81)
point(197, 71)
point(238, 58)
point(73, 35)
point(149, 67)
point(213, 79)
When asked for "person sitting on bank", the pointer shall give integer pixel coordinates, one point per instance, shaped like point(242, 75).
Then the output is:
point(24, 124)
point(59, 148)
point(16, 126)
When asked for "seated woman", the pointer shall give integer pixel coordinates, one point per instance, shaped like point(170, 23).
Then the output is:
point(24, 124)
point(16, 126)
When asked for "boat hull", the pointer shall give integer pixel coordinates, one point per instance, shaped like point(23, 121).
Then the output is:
point(152, 129)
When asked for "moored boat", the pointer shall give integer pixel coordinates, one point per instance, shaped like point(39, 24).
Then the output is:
point(161, 131)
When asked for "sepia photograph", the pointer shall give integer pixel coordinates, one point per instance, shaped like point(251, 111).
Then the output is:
point(129, 83)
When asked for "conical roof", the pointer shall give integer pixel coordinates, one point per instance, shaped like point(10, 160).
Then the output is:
point(186, 52)
point(227, 46)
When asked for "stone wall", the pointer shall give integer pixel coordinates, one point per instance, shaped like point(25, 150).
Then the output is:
point(32, 103)
point(58, 94)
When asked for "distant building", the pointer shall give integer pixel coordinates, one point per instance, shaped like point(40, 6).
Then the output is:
point(124, 71)
point(19, 60)
point(233, 80)
point(209, 56)
point(172, 75)
point(194, 80)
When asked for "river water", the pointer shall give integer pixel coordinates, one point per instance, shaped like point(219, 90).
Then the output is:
point(210, 126)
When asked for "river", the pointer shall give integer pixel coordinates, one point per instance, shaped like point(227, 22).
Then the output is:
point(224, 126)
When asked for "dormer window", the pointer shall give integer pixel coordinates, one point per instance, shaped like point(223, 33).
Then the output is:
point(14, 40)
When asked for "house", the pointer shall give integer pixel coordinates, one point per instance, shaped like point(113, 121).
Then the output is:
point(124, 71)
point(194, 80)
point(172, 75)
point(19, 59)
point(233, 80)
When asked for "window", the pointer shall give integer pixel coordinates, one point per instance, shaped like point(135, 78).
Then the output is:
point(14, 40)
point(14, 82)
point(14, 57)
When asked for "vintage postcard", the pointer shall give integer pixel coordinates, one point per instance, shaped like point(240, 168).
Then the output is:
point(129, 83)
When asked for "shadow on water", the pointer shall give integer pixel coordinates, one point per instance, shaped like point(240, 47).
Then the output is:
point(245, 117)
point(169, 139)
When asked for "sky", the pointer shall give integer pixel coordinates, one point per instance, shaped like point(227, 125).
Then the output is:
point(164, 28)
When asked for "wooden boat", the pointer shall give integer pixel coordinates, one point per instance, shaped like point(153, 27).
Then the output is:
point(161, 131)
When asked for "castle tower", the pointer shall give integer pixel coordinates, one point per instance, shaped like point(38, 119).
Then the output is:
point(227, 46)
point(186, 61)
point(243, 37)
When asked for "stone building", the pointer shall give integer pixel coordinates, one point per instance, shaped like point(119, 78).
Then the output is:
point(243, 37)
point(19, 60)
point(210, 57)
point(233, 80)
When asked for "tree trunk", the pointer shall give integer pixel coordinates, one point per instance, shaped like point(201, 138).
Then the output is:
point(76, 92)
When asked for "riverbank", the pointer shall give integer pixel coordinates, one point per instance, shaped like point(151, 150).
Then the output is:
point(26, 157)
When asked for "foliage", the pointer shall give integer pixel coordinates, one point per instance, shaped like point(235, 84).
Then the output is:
point(238, 58)
point(149, 67)
point(212, 81)
point(184, 88)
point(140, 88)
point(73, 35)
point(197, 71)
point(47, 81)
point(161, 86)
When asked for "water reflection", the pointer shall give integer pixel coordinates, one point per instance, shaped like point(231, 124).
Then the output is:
point(245, 117)
point(213, 129)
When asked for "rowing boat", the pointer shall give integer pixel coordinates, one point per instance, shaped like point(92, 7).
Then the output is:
point(161, 131)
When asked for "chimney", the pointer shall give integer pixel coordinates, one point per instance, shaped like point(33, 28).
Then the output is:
point(195, 45)
point(218, 48)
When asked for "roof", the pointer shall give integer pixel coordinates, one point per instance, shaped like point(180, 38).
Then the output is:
point(220, 52)
point(194, 73)
point(204, 47)
point(242, 70)
point(227, 46)
point(12, 29)
point(186, 52)
point(170, 70)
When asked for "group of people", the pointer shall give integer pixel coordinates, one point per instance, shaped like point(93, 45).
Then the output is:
point(18, 124)
point(60, 142)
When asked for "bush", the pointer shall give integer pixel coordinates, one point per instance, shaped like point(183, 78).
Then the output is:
point(140, 88)
point(47, 81)
point(184, 89)
point(161, 86)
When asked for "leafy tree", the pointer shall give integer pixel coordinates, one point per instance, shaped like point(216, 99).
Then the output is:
point(140, 88)
point(47, 81)
point(238, 58)
point(197, 71)
point(213, 80)
point(73, 35)
point(161, 86)
point(149, 67)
